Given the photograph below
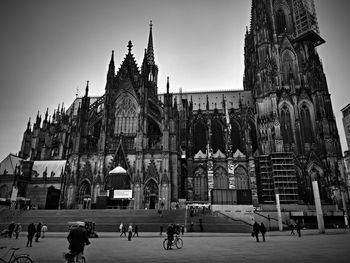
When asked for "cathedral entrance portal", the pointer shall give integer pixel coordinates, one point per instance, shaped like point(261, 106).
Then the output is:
point(84, 195)
point(151, 194)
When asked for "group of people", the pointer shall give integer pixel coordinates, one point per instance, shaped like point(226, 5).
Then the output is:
point(13, 229)
point(259, 229)
point(38, 231)
point(131, 230)
point(297, 227)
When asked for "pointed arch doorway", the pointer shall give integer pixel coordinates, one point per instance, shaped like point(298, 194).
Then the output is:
point(150, 194)
point(84, 195)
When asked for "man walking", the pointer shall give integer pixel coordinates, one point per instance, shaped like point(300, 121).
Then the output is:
point(256, 229)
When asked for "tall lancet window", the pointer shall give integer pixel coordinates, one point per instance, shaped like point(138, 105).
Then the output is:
point(126, 116)
point(281, 24)
point(306, 124)
point(286, 125)
point(235, 136)
point(217, 137)
point(200, 137)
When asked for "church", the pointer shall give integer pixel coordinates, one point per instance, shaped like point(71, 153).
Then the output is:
point(136, 148)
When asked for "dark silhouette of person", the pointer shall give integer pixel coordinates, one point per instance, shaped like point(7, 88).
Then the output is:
point(38, 232)
point(78, 238)
point(123, 231)
point(298, 228)
point(182, 229)
point(292, 227)
point(170, 232)
point(31, 232)
point(18, 229)
point(136, 231)
point(11, 228)
point(256, 230)
point(130, 232)
point(201, 225)
point(262, 230)
point(161, 230)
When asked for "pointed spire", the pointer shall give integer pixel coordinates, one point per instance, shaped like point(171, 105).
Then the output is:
point(62, 108)
point(207, 102)
point(28, 125)
point(150, 51)
point(46, 114)
point(129, 46)
point(167, 86)
point(37, 118)
point(87, 89)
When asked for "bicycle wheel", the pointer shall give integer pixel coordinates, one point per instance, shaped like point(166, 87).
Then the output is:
point(179, 243)
point(165, 244)
point(22, 259)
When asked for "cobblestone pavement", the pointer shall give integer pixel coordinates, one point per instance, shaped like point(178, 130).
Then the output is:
point(198, 247)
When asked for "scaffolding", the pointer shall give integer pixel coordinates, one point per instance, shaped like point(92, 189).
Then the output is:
point(306, 25)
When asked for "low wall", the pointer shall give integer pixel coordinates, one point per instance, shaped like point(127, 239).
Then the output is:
point(240, 212)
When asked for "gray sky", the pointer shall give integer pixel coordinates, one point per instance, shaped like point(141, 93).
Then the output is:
point(48, 49)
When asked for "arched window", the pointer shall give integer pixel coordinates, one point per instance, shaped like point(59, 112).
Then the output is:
point(200, 137)
point(217, 137)
point(126, 116)
point(220, 179)
point(288, 66)
point(281, 24)
point(235, 136)
point(286, 125)
point(306, 124)
point(242, 179)
point(200, 185)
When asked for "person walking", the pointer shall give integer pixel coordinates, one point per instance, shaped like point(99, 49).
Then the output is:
point(182, 229)
point(121, 228)
point(78, 238)
point(292, 227)
point(31, 232)
point(256, 230)
point(161, 230)
point(11, 228)
point(18, 229)
point(130, 232)
point(38, 232)
point(43, 230)
point(123, 231)
point(298, 228)
point(262, 230)
point(136, 231)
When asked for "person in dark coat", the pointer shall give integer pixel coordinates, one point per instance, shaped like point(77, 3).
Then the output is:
point(292, 227)
point(38, 232)
point(170, 232)
point(11, 228)
point(298, 228)
point(262, 230)
point(136, 231)
point(31, 233)
point(256, 230)
point(78, 238)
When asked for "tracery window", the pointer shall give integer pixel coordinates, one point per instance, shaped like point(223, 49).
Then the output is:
point(235, 136)
point(286, 125)
point(281, 23)
point(200, 185)
point(242, 179)
point(217, 137)
point(126, 116)
point(220, 179)
point(200, 137)
point(306, 124)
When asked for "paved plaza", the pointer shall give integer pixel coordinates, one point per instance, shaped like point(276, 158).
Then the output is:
point(198, 247)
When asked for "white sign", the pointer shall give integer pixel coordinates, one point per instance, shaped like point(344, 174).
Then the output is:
point(122, 194)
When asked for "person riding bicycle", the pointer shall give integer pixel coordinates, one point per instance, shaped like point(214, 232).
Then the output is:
point(78, 238)
point(170, 232)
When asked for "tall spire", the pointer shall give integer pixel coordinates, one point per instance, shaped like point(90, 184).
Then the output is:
point(87, 89)
point(46, 114)
point(150, 51)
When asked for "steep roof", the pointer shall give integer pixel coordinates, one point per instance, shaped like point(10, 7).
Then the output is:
point(9, 164)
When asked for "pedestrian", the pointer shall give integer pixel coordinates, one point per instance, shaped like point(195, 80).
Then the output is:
point(121, 228)
point(182, 229)
point(298, 228)
point(31, 232)
point(38, 232)
point(256, 230)
point(161, 230)
point(18, 229)
point(123, 231)
point(136, 231)
point(191, 226)
point(262, 230)
point(11, 228)
point(44, 230)
point(292, 227)
point(200, 225)
point(130, 232)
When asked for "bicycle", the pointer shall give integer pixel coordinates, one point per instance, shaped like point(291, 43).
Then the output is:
point(21, 258)
point(177, 242)
point(70, 257)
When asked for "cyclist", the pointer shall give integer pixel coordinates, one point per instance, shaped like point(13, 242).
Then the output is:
point(78, 238)
point(170, 232)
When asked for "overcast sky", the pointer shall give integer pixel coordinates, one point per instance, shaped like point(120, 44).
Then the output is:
point(48, 49)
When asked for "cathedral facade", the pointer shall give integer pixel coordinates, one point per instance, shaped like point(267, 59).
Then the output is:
point(274, 136)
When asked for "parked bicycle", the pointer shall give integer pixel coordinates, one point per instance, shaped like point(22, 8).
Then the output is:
point(15, 258)
point(176, 242)
point(71, 257)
